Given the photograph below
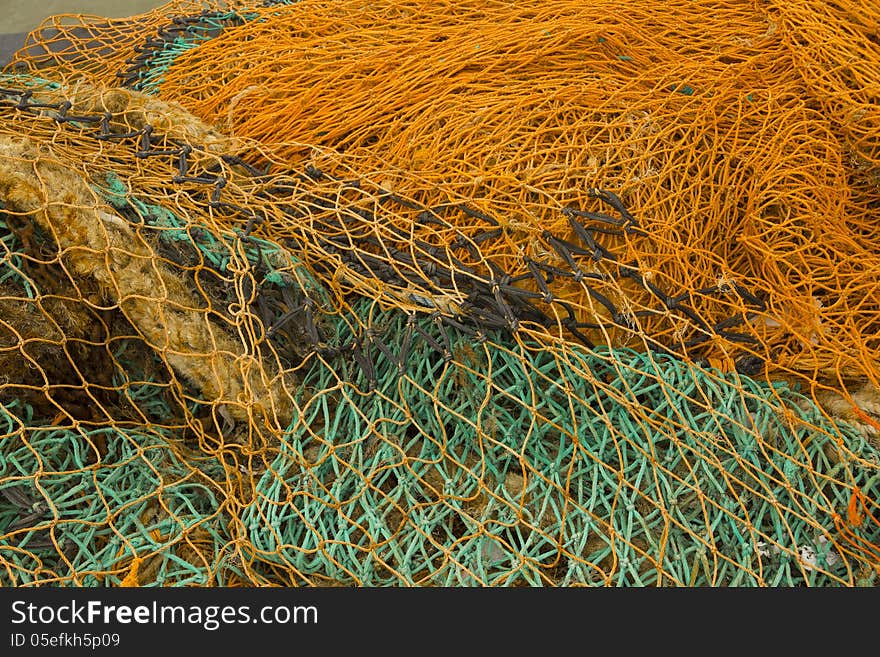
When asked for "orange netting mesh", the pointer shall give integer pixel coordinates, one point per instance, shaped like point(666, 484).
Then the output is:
point(430, 292)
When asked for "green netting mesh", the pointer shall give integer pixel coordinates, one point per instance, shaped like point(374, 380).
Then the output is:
point(80, 503)
point(374, 487)
point(724, 481)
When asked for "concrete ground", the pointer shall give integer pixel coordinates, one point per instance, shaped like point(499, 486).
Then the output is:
point(22, 15)
point(18, 17)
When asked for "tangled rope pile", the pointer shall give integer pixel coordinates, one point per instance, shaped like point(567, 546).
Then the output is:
point(307, 293)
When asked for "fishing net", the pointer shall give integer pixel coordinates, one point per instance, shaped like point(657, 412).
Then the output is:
point(503, 294)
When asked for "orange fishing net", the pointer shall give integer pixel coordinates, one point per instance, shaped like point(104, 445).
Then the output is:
point(710, 130)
